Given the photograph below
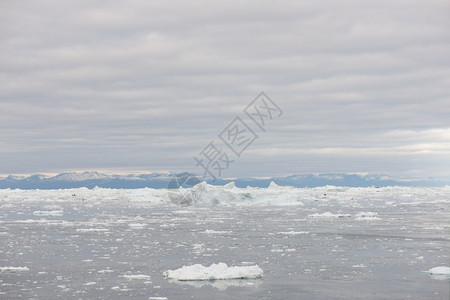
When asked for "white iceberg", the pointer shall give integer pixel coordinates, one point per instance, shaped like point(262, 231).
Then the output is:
point(328, 215)
point(218, 271)
point(13, 269)
point(440, 271)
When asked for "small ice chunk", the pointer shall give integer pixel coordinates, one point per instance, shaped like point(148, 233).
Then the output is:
point(367, 216)
point(105, 271)
point(92, 230)
point(53, 213)
point(440, 271)
point(293, 232)
point(214, 272)
point(14, 269)
point(137, 225)
point(209, 231)
point(328, 215)
point(137, 276)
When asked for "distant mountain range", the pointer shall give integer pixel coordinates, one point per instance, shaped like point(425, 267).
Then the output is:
point(172, 180)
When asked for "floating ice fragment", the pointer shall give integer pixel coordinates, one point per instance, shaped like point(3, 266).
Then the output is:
point(13, 269)
point(209, 231)
point(92, 229)
point(328, 215)
point(440, 271)
point(53, 213)
point(105, 271)
point(137, 276)
point(137, 225)
point(293, 232)
point(218, 271)
point(367, 216)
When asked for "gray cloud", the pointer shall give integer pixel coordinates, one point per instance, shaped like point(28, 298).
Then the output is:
point(146, 85)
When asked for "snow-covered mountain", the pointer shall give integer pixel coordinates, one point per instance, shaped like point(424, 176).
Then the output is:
point(163, 180)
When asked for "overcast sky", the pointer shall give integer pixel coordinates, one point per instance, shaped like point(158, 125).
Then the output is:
point(128, 86)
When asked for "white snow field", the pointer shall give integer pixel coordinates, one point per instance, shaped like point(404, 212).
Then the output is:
point(312, 243)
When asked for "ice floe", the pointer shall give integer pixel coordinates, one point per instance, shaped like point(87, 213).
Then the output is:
point(218, 271)
point(210, 231)
point(439, 273)
point(293, 232)
point(54, 213)
point(86, 230)
point(367, 216)
point(14, 269)
point(137, 277)
point(328, 215)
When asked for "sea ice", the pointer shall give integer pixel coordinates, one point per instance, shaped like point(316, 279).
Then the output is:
point(221, 285)
point(367, 216)
point(328, 215)
point(53, 213)
point(210, 231)
point(92, 229)
point(13, 269)
point(137, 276)
point(440, 271)
point(214, 272)
point(293, 232)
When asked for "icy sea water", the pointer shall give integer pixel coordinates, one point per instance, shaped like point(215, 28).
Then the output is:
point(115, 244)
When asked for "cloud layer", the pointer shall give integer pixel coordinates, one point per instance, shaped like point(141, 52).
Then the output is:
point(146, 85)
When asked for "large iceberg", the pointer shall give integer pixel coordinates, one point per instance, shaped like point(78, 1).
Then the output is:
point(229, 195)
